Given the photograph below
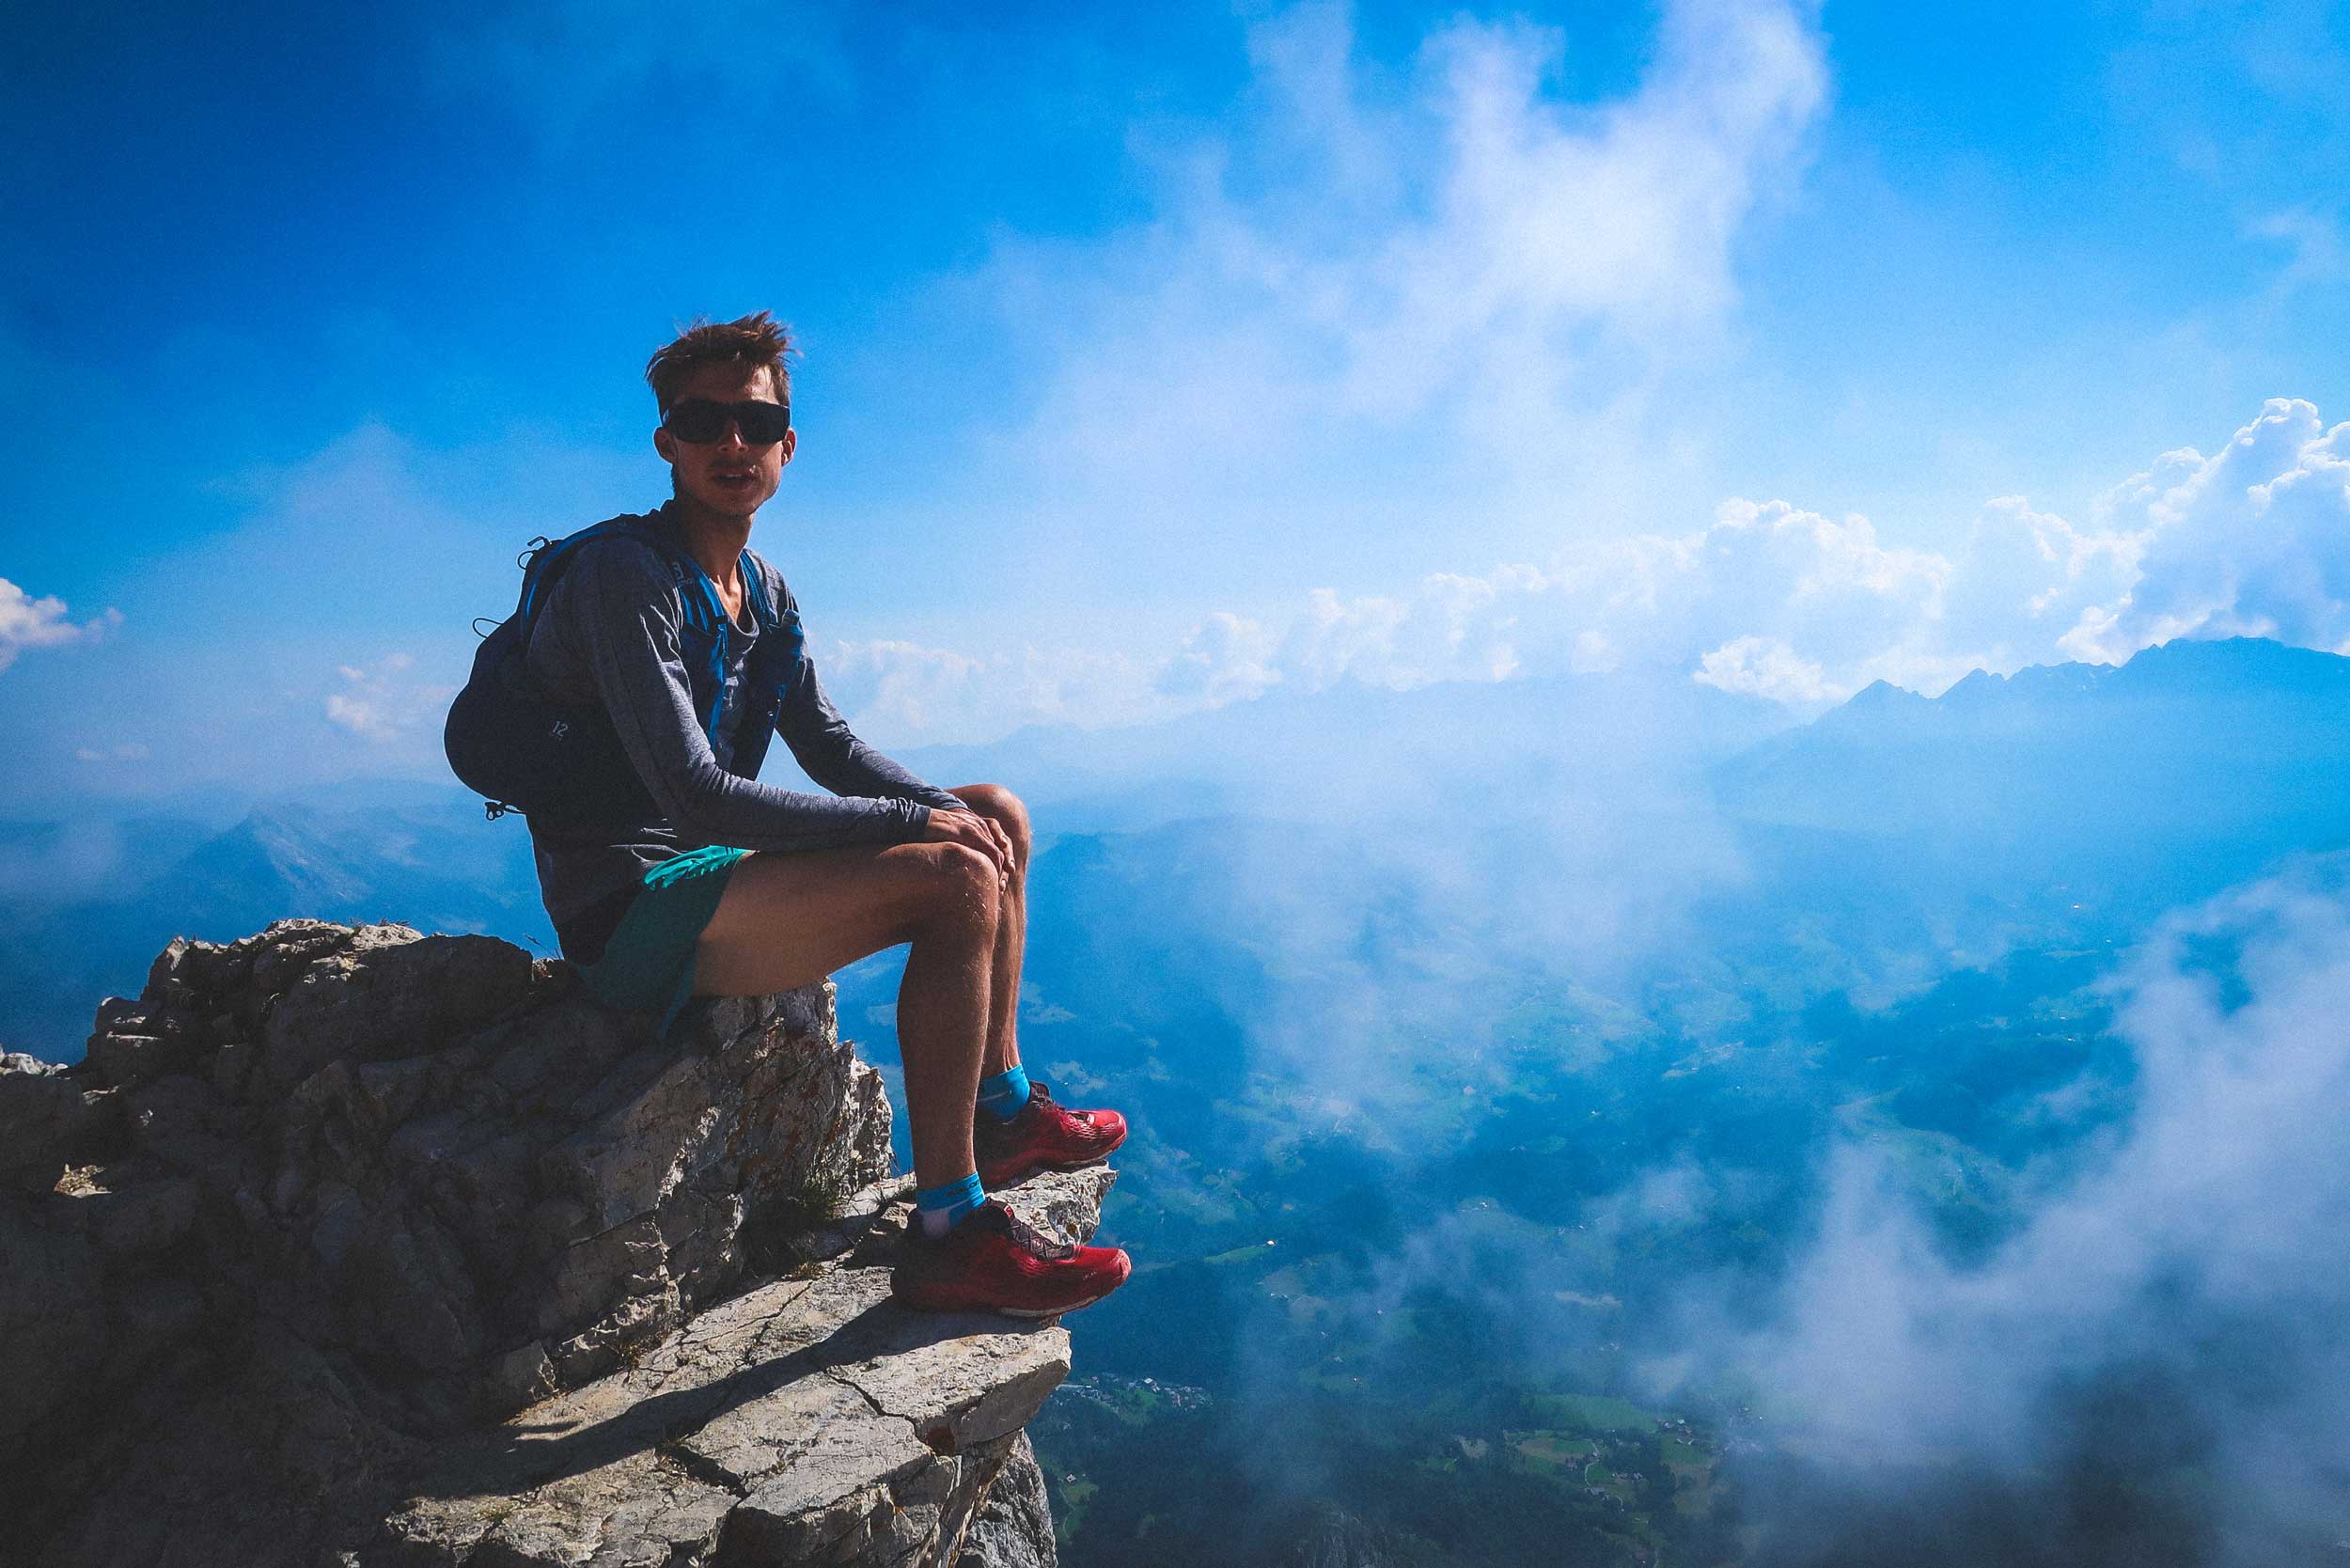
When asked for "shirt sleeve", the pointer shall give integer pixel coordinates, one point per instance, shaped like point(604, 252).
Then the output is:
point(629, 616)
point(829, 752)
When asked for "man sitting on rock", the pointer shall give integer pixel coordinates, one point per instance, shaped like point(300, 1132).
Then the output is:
point(743, 889)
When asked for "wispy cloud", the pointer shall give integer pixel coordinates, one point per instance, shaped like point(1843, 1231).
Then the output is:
point(384, 702)
point(2316, 250)
point(906, 691)
point(29, 622)
point(562, 67)
point(1369, 289)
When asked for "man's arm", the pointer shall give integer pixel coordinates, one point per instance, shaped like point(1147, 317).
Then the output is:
point(830, 753)
point(625, 614)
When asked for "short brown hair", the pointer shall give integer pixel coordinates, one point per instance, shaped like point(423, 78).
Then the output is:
point(748, 341)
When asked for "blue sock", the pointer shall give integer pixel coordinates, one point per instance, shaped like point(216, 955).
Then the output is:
point(1002, 1095)
point(939, 1209)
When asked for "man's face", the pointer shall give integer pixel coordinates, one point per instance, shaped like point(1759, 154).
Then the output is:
point(725, 475)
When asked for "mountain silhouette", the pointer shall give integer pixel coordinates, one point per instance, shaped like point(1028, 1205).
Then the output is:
point(2191, 766)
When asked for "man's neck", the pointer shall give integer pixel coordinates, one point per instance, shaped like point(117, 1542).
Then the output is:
point(716, 541)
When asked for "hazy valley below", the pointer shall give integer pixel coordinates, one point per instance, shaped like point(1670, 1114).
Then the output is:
point(1600, 1120)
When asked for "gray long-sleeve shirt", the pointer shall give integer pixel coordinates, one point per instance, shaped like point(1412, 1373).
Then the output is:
point(609, 634)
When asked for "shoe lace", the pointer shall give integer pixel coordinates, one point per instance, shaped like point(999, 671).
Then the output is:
point(1040, 1095)
point(1027, 1236)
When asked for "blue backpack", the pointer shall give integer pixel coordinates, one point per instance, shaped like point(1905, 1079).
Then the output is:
point(563, 766)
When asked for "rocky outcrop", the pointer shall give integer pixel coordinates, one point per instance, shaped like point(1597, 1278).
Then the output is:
point(1330, 1538)
point(351, 1245)
point(1013, 1528)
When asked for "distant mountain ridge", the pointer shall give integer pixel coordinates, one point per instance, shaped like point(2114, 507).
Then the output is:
point(2232, 668)
point(2151, 742)
point(2193, 766)
point(2209, 756)
point(434, 862)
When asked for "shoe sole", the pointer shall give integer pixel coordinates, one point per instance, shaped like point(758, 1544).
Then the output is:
point(1031, 1313)
point(1026, 1171)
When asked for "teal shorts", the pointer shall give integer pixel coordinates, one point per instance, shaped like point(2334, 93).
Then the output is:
point(648, 966)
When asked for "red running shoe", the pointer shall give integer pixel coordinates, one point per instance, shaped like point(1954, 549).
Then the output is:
point(1044, 1137)
point(994, 1262)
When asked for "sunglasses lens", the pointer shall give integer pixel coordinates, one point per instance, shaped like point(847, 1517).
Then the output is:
point(760, 422)
point(698, 421)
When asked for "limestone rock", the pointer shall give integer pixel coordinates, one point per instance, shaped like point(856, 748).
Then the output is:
point(388, 992)
point(326, 1207)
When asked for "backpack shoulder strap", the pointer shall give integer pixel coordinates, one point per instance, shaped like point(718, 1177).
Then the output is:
point(544, 567)
point(765, 607)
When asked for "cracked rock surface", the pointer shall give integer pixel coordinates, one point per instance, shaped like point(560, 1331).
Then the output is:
point(806, 1420)
point(348, 1245)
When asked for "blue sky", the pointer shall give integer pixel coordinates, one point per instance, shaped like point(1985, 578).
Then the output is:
point(1158, 356)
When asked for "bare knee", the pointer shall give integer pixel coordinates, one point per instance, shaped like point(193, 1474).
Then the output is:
point(1001, 807)
point(960, 891)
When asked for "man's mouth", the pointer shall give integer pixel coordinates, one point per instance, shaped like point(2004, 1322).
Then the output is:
point(734, 476)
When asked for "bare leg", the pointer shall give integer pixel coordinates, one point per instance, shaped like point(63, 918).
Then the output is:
point(1001, 807)
point(791, 919)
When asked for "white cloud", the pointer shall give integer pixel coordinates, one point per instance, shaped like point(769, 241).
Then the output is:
point(1765, 667)
point(382, 703)
point(1224, 658)
point(29, 622)
point(2253, 542)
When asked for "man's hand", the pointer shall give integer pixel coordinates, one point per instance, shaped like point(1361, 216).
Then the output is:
point(981, 832)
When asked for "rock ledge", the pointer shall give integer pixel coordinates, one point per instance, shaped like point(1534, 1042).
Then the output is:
point(354, 1245)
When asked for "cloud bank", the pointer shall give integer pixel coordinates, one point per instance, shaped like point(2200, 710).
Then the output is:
point(1767, 598)
point(2197, 1265)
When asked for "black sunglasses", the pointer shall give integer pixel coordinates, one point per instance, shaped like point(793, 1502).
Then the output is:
point(698, 420)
